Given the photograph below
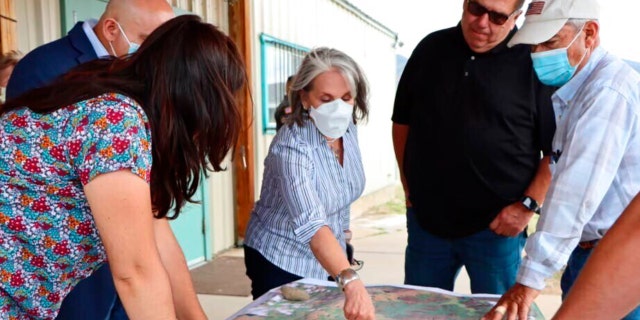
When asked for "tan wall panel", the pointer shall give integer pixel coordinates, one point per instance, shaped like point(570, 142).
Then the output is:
point(38, 23)
point(7, 26)
point(7, 8)
point(212, 11)
point(8, 32)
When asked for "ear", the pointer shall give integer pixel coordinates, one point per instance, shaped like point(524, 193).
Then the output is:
point(110, 29)
point(592, 30)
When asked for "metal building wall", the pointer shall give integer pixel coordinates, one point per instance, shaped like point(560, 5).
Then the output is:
point(212, 11)
point(221, 184)
point(315, 23)
point(38, 22)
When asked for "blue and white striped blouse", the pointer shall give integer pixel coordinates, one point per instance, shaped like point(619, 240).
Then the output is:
point(304, 188)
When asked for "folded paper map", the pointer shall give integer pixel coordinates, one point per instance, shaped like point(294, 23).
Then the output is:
point(396, 302)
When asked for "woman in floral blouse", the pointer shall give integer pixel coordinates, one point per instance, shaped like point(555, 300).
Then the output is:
point(92, 166)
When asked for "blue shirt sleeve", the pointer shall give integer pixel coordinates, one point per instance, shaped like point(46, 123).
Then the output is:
point(295, 166)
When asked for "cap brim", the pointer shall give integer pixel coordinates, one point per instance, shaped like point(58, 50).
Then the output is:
point(535, 32)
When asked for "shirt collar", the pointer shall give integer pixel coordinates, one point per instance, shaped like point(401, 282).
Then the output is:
point(568, 91)
point(100, 50)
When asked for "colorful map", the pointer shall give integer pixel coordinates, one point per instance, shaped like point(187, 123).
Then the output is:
point(391, 302)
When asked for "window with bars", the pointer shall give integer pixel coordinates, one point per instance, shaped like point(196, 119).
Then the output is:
point(280, 59)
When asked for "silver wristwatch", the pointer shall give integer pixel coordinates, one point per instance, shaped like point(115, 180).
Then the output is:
point(345, 276)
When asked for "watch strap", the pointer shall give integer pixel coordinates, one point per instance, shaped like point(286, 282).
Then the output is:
point(531, 204)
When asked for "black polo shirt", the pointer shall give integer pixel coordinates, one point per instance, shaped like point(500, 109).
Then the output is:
point(477, 125)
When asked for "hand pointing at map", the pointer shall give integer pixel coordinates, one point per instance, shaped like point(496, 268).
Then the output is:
point(514, 304)
point(357, 304)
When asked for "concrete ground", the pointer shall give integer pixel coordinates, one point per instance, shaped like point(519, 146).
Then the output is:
point(379, 240)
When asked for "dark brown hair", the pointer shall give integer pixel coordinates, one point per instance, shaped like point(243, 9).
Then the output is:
point(184, 76)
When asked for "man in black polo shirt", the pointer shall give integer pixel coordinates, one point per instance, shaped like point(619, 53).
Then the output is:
point(470, 122)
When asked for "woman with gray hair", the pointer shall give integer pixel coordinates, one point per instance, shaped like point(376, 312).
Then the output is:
point(313, 172)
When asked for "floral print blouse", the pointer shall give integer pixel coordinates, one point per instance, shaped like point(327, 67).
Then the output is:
point(48, 238)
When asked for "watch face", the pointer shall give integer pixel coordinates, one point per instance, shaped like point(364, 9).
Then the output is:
point(531, 204)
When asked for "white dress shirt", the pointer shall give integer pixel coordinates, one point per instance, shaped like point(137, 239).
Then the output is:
point(597, 171)
point(100, 50)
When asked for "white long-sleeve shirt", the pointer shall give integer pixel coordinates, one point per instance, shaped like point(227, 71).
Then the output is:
point(597, 171)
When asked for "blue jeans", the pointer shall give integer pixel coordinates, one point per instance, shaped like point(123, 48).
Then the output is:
point(93, 298)
point(491, 260)
point(576, 261)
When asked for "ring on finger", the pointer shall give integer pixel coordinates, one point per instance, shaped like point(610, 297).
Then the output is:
point(500, 309)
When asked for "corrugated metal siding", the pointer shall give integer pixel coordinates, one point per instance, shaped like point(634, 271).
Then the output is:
point(315, 23)
point(38, 22)
point(212, 11)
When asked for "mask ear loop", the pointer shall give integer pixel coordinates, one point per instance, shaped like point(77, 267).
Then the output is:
point(125, 38)
point(123, 34)
point(574, 40)
point(576, 37)
point(584, 55)
point(112, 50)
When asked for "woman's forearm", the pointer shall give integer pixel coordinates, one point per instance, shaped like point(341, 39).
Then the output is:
point(328, 251)
point(185, 298)
point(144, 290)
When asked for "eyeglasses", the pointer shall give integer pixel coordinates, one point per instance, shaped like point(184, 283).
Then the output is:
point(478, 10)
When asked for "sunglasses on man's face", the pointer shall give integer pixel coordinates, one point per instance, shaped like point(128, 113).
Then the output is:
point(478, 10)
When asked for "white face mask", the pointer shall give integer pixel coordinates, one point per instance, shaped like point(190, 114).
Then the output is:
point(332, 118)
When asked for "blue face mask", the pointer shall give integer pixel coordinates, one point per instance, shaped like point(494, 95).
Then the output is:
point(133, 47)
point(553, 67)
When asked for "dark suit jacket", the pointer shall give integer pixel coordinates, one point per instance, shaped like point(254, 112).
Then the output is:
point(47, 62)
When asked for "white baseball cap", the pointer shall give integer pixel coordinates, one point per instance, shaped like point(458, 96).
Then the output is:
point(544, 18)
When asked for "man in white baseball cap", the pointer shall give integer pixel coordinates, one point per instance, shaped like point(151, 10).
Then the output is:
point(596, 162)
